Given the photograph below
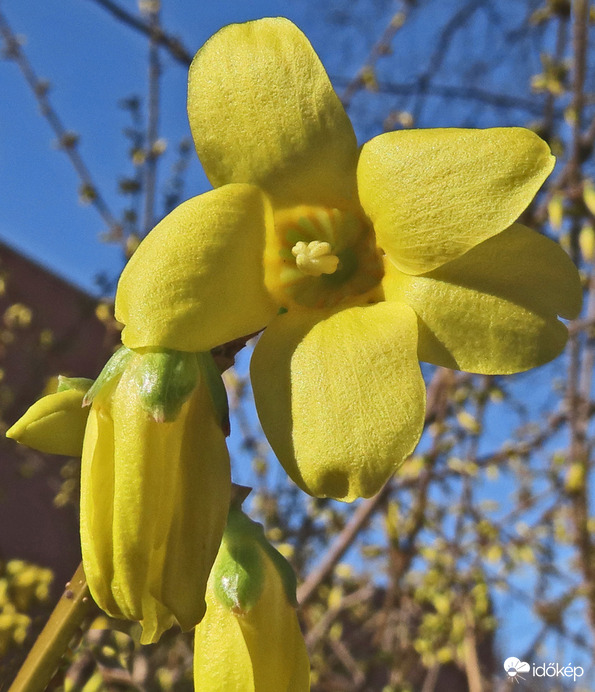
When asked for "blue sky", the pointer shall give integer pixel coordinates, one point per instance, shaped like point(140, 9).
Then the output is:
point(92, 62)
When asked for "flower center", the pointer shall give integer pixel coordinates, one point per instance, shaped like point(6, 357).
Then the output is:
point(318, 257)
point(315, 258)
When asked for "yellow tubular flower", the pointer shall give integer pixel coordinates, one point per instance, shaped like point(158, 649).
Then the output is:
point(358, 261)
point(154, 500)
point(250, 638)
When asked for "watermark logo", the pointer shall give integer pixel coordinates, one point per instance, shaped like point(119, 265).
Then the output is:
point(514, 667)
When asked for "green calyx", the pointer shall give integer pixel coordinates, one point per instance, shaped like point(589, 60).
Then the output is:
point(114, 367)
point(165, 380)
point(239, 570)
point(239, 576)
point(79, 384)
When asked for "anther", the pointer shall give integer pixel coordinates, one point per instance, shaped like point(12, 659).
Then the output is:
point(315, 258)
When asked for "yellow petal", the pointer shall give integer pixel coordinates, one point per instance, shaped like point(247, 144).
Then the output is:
point(55, 424)
point(275, 643)
point(300, 676)
point(340, 396)
point(97, 490)
point(221, 658)
point(161, 471)
point(199, 514)
point(157, 619)
point(262, 110)
point(434, 194)
point(197, 280)
point(495, 309)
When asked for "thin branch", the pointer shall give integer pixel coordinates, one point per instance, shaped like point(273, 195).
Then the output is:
point(342, 542)
point(172, 44)
point(67, 140)
point(463, 93)
point(51, 645)
point(579, 47)
point(380, 48)
point(152, 125)
point(580, 374)
point(472, 668)
point(458, 20)
point(561, 43)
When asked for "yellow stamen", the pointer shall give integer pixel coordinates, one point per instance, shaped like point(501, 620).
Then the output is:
point(315, 258)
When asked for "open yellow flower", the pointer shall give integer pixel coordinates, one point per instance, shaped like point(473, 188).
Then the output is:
point(358, 261)
point(250, 638)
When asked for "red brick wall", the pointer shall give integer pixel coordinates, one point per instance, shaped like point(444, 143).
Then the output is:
point(64, 336)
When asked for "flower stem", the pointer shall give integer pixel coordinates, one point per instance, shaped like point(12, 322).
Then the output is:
point(51, 645)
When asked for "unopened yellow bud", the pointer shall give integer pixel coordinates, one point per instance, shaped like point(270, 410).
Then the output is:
point(155, 487)
point(555, 210)
point(586, 241)
point(56, 423)
point(250, 619)
point(589, 195)
point(575, 477)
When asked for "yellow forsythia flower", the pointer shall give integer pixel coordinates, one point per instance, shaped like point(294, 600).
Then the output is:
point(250, 638)
point(358, 261)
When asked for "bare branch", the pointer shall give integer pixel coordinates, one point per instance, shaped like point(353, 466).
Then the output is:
point(172, 44)
point(67, 140)
point(152, 124)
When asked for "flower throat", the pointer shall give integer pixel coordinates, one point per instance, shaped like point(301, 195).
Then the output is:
point(321, 257)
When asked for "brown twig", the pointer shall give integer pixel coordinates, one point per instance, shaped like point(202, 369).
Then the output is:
point(172, 44)
point(67, 140)
point(472, 669)
point(380, 48)
point(150, 167)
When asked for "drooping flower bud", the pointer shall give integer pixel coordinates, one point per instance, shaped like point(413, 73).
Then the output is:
point(155, 485)
point(250, 638)
point(56, 423)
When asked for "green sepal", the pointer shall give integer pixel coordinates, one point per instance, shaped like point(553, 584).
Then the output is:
point(239, 577)
point(115, 366)
point(79, 384)
point(239, 570)
point(165, 379)
point(217, 390)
